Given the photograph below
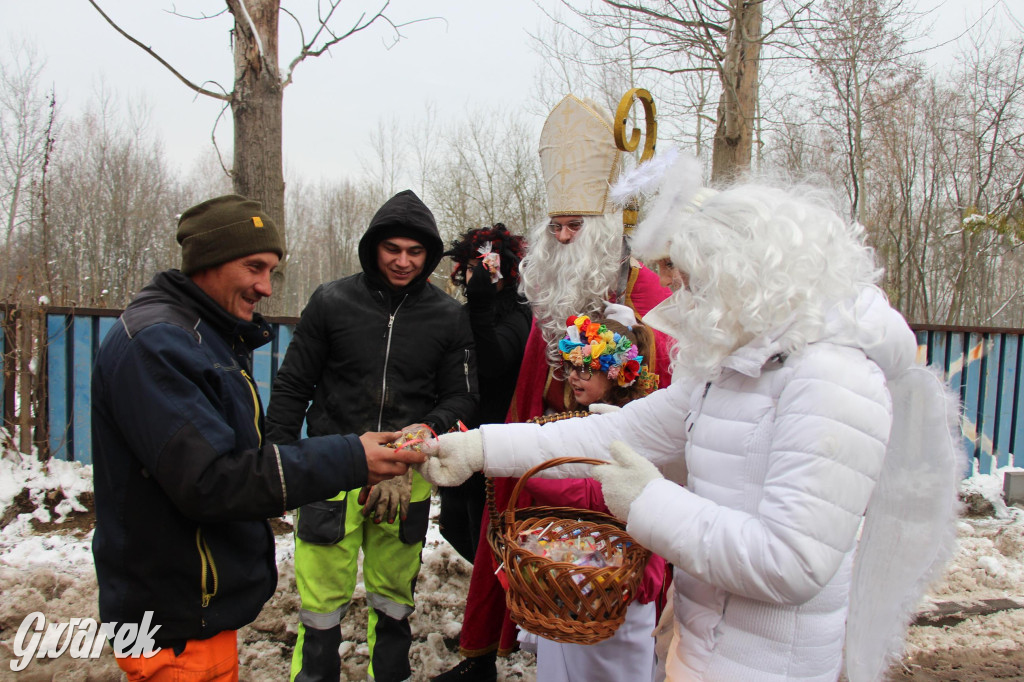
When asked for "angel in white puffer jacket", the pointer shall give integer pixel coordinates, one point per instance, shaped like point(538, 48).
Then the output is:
point(780, 409)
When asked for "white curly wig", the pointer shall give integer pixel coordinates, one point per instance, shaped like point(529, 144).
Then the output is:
point(560, 280)
point(762, 261)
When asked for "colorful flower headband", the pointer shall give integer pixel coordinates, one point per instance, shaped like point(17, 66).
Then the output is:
point(588, 343)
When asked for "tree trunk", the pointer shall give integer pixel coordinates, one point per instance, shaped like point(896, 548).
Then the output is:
point(256, 107)
point(734, 136)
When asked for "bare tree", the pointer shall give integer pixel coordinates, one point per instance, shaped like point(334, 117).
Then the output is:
point(257, 94)
point(602, 63)
point(24, 121)
point(986, 178)
point(487, 172)
point(386, 170)
point(328, 220)
point(112, 198)
point(857, 45)
point(723, 37)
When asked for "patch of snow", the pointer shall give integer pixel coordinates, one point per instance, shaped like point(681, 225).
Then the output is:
point(20, 472)
point(53, 572)
point(990, 486)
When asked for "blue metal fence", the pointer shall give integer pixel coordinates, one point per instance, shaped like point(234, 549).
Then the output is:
point(982, 365)
point(73, 339)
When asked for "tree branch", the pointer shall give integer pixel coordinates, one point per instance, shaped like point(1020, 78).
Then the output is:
point(201, 17)
point(213, 138)
point(361, 24)
point(659, 16)
point(154, 55)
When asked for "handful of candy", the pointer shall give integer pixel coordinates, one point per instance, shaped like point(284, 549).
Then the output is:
point(575, 548)
point(413, 439)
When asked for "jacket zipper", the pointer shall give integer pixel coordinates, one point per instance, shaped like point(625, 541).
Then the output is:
point(255, 404)
point(691, 417)
point(465, 369)
point(209, 568)
point(387, 358)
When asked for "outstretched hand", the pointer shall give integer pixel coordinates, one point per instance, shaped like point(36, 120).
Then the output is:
point(452, 458)
point(623, 479)
point(383, 462)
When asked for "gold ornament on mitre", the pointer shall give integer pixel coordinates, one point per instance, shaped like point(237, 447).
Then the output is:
point(578, 157)
point(632, 208)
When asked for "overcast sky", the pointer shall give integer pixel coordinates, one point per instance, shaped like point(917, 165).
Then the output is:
point(477, 58)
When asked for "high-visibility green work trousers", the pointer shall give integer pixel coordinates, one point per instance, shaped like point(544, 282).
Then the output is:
point(328, 538)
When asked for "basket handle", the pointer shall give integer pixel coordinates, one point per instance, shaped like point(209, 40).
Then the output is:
point(510, 512)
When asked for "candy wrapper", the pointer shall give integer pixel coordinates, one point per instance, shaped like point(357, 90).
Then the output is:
point(491, 261)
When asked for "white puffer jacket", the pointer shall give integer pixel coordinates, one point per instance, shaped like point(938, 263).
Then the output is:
point(782, 455)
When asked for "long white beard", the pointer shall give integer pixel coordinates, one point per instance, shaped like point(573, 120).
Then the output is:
point(560, 280)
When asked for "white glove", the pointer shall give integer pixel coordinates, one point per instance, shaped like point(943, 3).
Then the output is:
point(624, 480)
point(452, 458)
point(603, 408)
point(388, 499)
point(622, 314)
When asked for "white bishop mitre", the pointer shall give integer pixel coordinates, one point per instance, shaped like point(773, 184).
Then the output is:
point(578, 158)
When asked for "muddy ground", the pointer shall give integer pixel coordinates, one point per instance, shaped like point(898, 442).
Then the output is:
point(984, 647)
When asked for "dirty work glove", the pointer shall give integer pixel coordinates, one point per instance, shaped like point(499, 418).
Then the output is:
point(452, 458)
point(388, 498)
point(624, 479)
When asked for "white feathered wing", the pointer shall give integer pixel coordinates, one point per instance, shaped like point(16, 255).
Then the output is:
point(909, 531)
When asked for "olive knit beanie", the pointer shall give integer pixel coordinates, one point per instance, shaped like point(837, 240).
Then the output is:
point(223, 229)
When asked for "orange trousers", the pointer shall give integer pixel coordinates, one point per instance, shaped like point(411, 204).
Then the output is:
point(203, 660)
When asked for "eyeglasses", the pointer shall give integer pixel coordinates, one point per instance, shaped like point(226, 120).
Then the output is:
point(574, 226)
point(562, 373)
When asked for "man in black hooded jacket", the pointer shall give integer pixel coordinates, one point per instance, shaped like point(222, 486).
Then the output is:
point(385, 348)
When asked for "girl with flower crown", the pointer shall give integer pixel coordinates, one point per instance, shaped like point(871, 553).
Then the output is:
point(604, 363)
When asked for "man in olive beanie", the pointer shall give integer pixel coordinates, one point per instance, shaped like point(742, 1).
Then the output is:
point(223, 229)
point(184, 478)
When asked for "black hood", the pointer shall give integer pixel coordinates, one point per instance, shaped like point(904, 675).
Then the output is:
point(403, 215)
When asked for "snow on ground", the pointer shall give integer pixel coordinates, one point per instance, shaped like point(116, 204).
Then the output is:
point(46, 565)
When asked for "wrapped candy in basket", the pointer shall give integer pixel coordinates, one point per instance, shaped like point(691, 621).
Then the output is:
point(571, 573)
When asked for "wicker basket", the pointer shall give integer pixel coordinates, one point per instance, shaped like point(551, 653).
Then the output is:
point(558, 600)
point(494, 533)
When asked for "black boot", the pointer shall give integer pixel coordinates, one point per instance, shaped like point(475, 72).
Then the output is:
point(478, 669)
